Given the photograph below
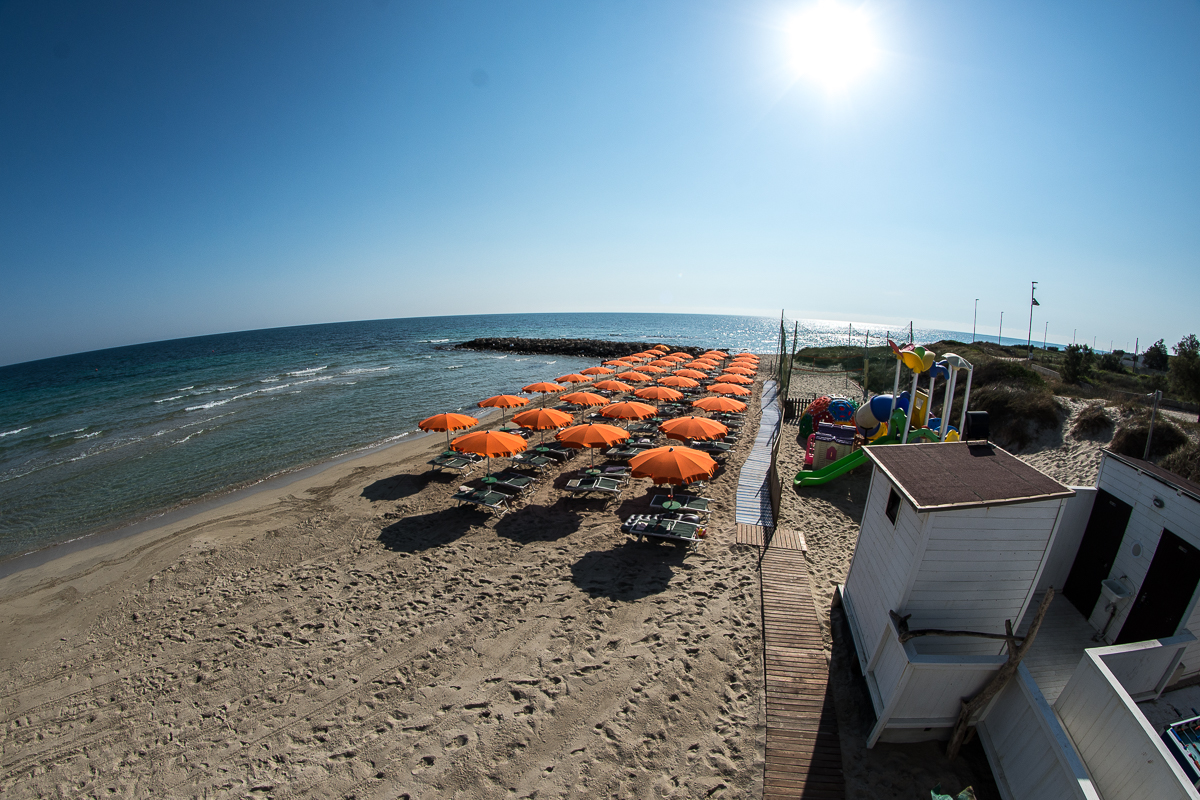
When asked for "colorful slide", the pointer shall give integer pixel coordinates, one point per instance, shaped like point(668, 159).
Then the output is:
point(855, 459)
point(834, 470)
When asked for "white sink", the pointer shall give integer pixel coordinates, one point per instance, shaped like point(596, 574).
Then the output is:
point(1114, 590)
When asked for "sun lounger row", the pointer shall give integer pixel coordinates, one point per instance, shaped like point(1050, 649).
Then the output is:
point(483, 497)
point(463, 462)
point(611, 487)
point(680, 528)
point(683, 503)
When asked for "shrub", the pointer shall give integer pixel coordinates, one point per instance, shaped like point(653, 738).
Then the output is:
point(1077, 364)
point(1016, 415)
point(1091, 421)
point(1130, 438)
point(1184, 462)
point(1185, 369)
point(1155, 356)
point(1007, 373)
point(1111, 362)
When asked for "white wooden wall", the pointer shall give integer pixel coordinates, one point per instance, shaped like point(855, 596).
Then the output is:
point(1180, 515)
point(978, 569)
point(1031, 755)
point(1071, 526)
point(912, 692)
point(1123, 754)
point(882, 565)
point(1143, 668)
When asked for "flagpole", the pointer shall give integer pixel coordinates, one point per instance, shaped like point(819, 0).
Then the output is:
point(1032, 302)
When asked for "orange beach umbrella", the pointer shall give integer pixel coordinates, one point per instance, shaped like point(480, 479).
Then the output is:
point(618, 362)
point(447, 423)
point(726, 404)
point(734, 378)
point(574, 377)
point(544, 388)
point(694, 428)
point(739, 371)
point(592, 435)
point(612, 386)
point(633, 377)
point(503, 401)
point(543, 419)
point(673, 465)
point(691, 373)
point(585, 399)
point(657, 393)
point(490, 444)
point(678, 381)
point(596, 371)
point(729, 388)
point(628, 410)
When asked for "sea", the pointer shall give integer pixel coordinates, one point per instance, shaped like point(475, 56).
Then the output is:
point(99, 441)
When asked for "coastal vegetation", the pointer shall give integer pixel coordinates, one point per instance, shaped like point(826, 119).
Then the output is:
point(1025, 397)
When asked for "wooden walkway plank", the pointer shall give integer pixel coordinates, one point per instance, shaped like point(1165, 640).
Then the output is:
point(803, 754)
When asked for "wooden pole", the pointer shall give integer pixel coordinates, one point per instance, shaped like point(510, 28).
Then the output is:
point(1000, 680)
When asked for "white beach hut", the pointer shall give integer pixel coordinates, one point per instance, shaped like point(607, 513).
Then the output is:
point(966, 536)
point(1141, 534)
point(954, 535)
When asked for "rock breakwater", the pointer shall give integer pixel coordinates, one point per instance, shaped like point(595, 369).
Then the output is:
point(586, 348)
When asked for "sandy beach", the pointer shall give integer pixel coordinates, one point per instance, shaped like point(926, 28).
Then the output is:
point(355, 633)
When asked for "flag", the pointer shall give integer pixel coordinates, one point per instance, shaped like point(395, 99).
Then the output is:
point(1035, 302)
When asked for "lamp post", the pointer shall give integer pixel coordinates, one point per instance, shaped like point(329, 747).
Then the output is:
point(1001, 333)
point(1032, 302)
point(1044, 331)
point(974, 319)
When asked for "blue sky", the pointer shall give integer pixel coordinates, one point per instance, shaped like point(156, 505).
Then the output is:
point(174, 169)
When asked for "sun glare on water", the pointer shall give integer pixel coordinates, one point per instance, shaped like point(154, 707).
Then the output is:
point(832, 45)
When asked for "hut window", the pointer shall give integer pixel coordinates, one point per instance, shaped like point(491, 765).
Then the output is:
point(893, 506)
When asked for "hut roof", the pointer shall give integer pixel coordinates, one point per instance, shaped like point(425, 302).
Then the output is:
point(1190, 488)
point(938, 477)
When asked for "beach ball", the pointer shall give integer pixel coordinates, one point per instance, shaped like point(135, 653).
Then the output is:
point(842, 410)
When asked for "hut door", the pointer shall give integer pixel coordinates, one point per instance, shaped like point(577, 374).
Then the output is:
point(1166, 591)
point(1097, 551)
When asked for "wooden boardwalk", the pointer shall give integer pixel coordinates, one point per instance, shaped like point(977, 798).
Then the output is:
point(804, 754)
point(753, 492)
point(759, 536)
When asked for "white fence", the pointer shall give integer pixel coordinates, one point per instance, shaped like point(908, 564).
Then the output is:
point(1124, 754)
point(1031, 756)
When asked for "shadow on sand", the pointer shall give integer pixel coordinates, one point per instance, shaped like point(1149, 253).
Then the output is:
point(398, 487)
point(426, 531)
point(538, 523)
point(630, 571)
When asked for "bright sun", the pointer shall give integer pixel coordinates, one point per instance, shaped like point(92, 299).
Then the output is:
point(832, 45)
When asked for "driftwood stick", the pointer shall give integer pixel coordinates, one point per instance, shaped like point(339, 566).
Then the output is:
point(1000, 679)
point(904, 634)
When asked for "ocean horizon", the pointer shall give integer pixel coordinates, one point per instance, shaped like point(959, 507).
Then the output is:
point(100, 440)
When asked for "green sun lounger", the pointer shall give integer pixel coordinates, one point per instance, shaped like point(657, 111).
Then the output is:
point(483, 497)
point(664, 527)
point(457, 462)
point(513, 484)
point(686, 503)
point(606, 486)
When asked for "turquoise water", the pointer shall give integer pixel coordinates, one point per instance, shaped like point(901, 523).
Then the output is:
point(98, 440)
